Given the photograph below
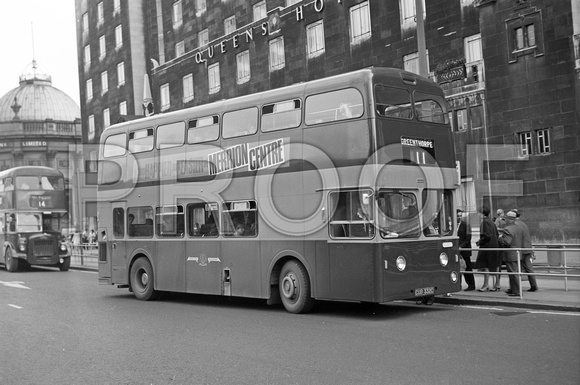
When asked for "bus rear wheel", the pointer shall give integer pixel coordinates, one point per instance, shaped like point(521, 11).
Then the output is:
point(295, 288)
point(10, 262)
point(142, 280)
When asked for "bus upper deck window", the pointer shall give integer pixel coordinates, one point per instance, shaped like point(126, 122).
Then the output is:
point(141, 140)
point(282, 115)
point(115, 145)
point(170, 135)
point(240, 123)
point(203, 129)
point(333, 106)
point(393, 102)
point(430, 108)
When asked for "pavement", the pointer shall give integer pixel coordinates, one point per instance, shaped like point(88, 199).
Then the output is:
point(555, 292)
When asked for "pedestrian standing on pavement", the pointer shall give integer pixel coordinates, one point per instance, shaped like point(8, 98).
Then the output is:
point(500, 224)
point(513, 238)
point(487, 260)
point(527, 255)
point(464, 234)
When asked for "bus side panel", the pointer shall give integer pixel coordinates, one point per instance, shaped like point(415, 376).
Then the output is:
point(203, 266)
point(322, 281)
point(352, 270)
point(242, 258)
point(170, 265)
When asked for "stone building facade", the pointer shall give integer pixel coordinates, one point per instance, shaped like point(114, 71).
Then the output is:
point(509, 68)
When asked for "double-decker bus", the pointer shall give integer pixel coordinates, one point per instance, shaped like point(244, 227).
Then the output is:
point(334, 189)
point(33, 213)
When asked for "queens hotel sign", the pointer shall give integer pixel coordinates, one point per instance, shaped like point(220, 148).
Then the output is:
point(267, 28)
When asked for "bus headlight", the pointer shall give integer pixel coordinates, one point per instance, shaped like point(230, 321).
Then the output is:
point(443, 259)
point(454, 277)
point(21, 243)
point(401, 263)
point(63, 247)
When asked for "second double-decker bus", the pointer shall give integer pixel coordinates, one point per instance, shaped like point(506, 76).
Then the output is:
point(33, 213)
point(334, 189)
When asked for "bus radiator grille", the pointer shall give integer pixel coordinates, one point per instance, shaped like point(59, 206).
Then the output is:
point(42, 248)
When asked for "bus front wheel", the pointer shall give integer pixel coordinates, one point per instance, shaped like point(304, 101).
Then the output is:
point(142, 280)
point(295, 288)
point(10, 262)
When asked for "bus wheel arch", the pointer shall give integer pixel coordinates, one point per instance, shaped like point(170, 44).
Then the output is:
point(142, 278)
point(291, 285)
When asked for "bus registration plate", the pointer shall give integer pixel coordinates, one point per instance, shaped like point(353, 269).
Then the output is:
point(424, 291)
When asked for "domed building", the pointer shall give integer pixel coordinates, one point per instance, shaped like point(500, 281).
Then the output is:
point(41, 126)
point(38, 124)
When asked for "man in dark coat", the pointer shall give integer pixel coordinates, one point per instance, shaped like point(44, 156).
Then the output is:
point(512, 237)
point(464, 234)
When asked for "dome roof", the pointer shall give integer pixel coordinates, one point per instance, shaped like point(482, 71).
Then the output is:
point(37, 99)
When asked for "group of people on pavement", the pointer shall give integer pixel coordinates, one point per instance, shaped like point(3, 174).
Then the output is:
point(508, 231)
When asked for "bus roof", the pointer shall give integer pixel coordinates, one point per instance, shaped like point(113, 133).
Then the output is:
point(29, 171)
point(388, 76)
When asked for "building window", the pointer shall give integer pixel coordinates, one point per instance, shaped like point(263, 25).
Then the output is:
point(360, 23)
point(476, 116)
point(100, 14)
point(123, 108)
point(525, 141)
point(543, 137)
point(411, 62)
point(203, 37)
point(87, 55)
point(200, 7)
point(290, 2)
point(106, 118)
point(116, 7)
point(260, 10)
point(243, 67)
point(229, 25)
point(85, 23)
point(187, 88)
point(525, 35)
point(277, 57)
point(179, 49)
point(118, 37)
point(177, 14)
point(104, 82)
point(165, 99)
point(34, 162)
point(121, 74)
point(409, 12)
point(462, 120)
point(213, 74)
point(315, 39)
point(89, 84)
point(91, 130)
point(102, 47)
point(472, 46)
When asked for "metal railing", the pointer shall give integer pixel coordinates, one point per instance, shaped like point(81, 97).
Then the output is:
point(562, 266)
point(84, 254)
